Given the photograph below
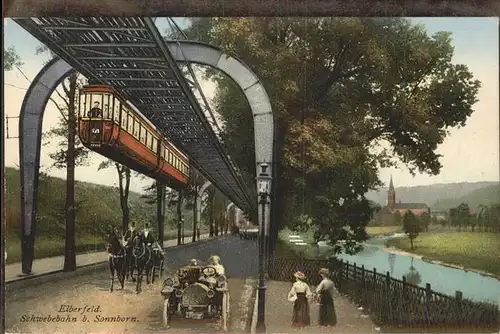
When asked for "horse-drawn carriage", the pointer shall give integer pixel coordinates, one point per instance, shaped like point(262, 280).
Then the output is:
point(196, 292)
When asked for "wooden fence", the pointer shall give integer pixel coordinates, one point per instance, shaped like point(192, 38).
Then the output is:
point(391, 301)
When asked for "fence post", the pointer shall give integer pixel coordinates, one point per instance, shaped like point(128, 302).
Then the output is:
point(428, 298)
point(347, 278)
point(404, 306)
point(339, 275)
point(363, 286)
point(388, 297)
point(355, 295)
point(458, 314)
point(373, 303)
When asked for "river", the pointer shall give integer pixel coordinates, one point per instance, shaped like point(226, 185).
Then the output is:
point(442, 279)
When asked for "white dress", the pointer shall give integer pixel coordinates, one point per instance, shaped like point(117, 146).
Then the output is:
point(219, 268)
point(299, 287)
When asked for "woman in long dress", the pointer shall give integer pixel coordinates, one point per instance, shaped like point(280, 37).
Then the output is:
point(298, 294)
point(325, 292)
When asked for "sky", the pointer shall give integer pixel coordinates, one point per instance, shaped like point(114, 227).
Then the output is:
point(470, 154)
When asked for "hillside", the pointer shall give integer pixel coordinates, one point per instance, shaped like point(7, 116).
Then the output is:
point(488, 195)
point(98, 207)
point(431, 194)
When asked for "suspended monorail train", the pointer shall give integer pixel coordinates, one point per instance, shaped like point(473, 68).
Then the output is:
point(111, 127)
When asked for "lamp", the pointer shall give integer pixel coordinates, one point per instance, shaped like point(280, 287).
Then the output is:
point(264, 192)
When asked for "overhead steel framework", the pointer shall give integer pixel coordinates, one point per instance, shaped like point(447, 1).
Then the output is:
point(130, 54)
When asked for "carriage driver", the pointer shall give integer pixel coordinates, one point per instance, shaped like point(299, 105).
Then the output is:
point(148, 235)
point(95, 111)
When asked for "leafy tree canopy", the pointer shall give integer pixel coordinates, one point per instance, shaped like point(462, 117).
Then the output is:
point(339, 87)
point(11, 59)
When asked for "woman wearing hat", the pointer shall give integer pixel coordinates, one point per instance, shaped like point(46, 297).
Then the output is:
point(298, 294)
point(215, 262)
point(325, 291)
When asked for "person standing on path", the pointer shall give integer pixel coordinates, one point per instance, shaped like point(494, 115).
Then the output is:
point(298, 295)
point(325, 291)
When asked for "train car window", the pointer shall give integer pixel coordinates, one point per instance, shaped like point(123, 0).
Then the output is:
point(130, 124)
point(116, 109)
point(88, 104)
point(137, 125)
point(106, 106)
point(150, 141)
point(124, 119)
point(82, 112)
point(143, 133)
point(154, 144)
point(95, 105)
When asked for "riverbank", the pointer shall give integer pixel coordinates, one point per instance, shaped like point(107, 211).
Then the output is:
point(469, 251)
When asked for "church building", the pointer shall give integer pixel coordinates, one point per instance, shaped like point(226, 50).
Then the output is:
point(392, 206)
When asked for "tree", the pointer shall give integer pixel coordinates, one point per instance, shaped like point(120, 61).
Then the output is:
point(123, 187)
point(463, 215)
point(339, 87)
point(195, 182)
point(397, 217)
point(411, 226)
point(208, 210)
point(434, 220)
point(425, 219)
point(11, 59)
point(454, 217)
point(180, 219)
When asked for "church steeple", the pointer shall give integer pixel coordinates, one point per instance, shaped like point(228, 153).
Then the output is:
point(391, 196)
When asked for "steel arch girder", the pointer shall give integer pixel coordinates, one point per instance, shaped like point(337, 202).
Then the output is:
point(252, 88)
point(30, 135)
point(39, 92)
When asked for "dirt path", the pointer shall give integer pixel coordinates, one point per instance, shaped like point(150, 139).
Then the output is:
point(86, 304)
point(279, 314)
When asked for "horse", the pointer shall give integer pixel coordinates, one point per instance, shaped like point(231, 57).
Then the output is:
point(117, 259)
point(143, 260)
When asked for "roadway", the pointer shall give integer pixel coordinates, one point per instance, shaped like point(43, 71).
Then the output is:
point(88, 288)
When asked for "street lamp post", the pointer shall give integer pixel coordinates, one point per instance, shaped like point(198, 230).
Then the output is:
point(264, 189)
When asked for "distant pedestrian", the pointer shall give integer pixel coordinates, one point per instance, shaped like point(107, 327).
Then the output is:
point(299, 295)
point(325, 292)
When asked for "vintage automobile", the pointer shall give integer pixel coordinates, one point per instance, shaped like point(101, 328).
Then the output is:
point(196, 292)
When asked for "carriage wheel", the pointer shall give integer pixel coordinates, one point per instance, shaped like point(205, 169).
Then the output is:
point(225, 311)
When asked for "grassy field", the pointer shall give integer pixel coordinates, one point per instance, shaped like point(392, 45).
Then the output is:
point(474, 250)
point(97, 208)
point(383, 230)
point(48, 247)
